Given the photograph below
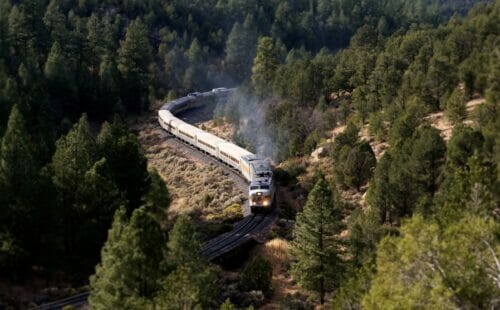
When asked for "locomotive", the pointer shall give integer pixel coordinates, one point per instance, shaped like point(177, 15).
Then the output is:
point(255, 169)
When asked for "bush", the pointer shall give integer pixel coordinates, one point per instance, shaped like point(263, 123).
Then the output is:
point(376, 126)
point(456, 110)
point(257, 275)
point(233, 212)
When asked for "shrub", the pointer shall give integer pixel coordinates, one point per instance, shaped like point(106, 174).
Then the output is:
point(257, 275)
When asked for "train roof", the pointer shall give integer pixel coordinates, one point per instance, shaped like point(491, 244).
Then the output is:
point(234, 150)
point(165, 114)
point(189, 128)
point(210, 138)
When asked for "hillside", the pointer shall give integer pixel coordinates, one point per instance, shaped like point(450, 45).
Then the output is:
point(380, 117)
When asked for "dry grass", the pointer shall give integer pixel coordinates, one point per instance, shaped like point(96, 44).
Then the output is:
point(221, 128)
point(276, 251)
point(439, 120)
point(199, 189)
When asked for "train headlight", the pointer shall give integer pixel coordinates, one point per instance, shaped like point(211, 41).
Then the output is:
point(266, 203)
point(259, 194)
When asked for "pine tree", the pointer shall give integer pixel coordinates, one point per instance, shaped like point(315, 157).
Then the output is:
point(107, 289)
point(55, 21)
point(74, 156)
point(257, 275)
point(183, 244)
point(60, 79)
point(18, 177)
point(379, 194)
point(17, 166)
point(5, 8)
point(455, 106)
point(158, 198)
point(186, 288)
point(193, 283)
point(240, 50)
point(126, 160)
point(359, 165)
point(108, 89)
point(315, 250)
point(131, 265)
point(436, 267)
point(134, 58)
point(265, 64)
point(195, 75)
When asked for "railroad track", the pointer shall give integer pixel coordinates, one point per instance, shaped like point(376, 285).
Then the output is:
point(251, 227)
point(76, 301)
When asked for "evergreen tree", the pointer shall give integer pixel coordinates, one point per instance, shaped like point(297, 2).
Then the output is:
point(265, 64)
point(17, 165)
point(359, 165)
point(463, 143)
point(257, 275)
point(109, 88)
point(455, 106)
point(75, 154)
point(240, 50)
point(134, 58)
point(186, 288)
point(364, 235)
point(5, 7)
point(158, 198)
point(193, 283)
point(183, 244)
point(55, 21)
point(126, 160)
point(432, 266)
point(60, 80)
point(315, 250)
point(195, 75)
point(131, 266)
point(18, 178)
point(379, 194)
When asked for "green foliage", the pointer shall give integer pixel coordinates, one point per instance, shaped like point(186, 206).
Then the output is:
point(455, 107)
point(227, 305)
point(463, 143)
point(472, 187)
point(17, 166)
point(359, 165)
point(194, 283)
point(131, 265)
point(432, 266)
point(128, 165)
point(364, 234)
point(183, 244)
point(257, 275)
point(158, 198)
point(408, 178)
point(266, 62)
point(134, 58)
point(240, 49)
point(186, 288)
point(350, 294)
point(376, 126)
point(315, 249)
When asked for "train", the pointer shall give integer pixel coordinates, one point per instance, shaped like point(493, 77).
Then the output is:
point(255, 169)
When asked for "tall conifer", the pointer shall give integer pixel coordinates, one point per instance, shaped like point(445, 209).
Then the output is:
point(315, 251)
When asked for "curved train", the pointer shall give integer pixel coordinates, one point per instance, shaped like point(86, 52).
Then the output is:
point(256, 170)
